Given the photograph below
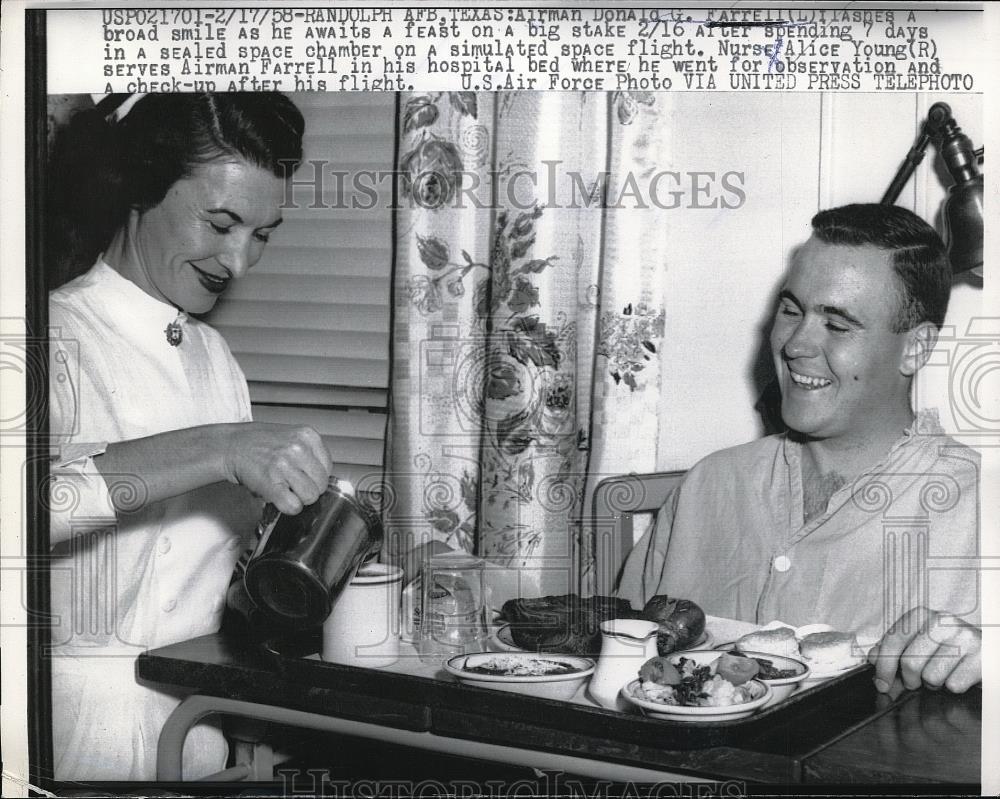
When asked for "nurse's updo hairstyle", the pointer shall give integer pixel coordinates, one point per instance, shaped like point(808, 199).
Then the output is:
point(100, 170)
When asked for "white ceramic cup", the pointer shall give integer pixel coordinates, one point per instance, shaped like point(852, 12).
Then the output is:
point(363, 627)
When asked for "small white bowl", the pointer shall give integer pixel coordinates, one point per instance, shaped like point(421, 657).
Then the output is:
point(551, 686)
point(781, 688)
point(660, 710)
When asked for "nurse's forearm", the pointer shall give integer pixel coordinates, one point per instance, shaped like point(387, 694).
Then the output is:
point(286, 465)
point(165, 465)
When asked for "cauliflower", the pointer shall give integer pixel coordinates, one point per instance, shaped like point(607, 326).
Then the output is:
point(654, 692)
point(720, 692)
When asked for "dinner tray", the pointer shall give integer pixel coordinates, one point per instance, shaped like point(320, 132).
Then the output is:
point(801, 722)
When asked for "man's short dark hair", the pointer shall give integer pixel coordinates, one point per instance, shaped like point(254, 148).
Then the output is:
point(919, 257)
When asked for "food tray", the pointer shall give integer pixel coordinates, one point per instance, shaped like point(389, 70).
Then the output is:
point(801, 722)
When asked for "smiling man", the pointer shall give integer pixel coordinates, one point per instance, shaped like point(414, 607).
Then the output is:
point(859, 516)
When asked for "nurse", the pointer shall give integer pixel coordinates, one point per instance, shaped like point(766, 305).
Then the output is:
point(158, 471)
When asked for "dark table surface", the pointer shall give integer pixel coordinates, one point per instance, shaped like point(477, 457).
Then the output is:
point(843, 734)
point(924, 736)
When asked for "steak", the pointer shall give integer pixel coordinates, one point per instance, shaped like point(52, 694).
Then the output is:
point(563, 623)
point(566, 623)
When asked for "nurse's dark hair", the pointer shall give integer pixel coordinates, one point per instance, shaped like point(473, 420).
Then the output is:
point(100, 171)
point(919, 257)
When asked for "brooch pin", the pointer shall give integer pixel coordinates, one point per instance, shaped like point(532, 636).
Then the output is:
point(174, 331)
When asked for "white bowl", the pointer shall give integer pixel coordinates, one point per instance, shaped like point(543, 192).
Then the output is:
point(659, 710)
point(702, 657)
point(781, 688)
point(551, 686)
point(812, 676)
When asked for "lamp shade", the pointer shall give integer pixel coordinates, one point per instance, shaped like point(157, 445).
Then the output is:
point(963, 210)
point(963, 220)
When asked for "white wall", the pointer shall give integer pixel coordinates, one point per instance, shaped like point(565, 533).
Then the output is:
point(799, 153)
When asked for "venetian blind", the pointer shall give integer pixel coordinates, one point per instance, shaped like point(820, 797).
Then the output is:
point(309, 325)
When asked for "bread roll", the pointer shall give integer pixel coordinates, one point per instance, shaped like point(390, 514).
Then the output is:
point(780, 641)
point(831, 651)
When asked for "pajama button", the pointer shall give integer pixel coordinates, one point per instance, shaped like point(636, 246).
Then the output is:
point(782, 563)
point(169, 605)
point(164, 546)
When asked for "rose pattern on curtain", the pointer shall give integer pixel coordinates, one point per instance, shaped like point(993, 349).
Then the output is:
point(522, 341)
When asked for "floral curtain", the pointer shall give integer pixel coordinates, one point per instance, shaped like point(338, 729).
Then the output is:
point(527, 325)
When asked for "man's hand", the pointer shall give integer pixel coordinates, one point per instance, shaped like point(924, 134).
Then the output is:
point(929, 648)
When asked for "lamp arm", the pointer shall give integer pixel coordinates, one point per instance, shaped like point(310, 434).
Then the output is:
point(956, 150)
point(937, 118)
point(909, 166)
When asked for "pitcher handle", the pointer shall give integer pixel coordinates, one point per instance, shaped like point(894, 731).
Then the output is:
point(268, 517)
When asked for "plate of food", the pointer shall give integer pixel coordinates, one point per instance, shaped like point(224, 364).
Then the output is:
point(698, 686)
point(827, 652)
point(550, 676)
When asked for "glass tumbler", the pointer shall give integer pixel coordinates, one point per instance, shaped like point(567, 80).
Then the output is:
point(452, 608)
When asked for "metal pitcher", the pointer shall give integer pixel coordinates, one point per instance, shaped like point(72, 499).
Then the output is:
point(302, 562)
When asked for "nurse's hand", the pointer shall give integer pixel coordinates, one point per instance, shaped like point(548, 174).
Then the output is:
point(285, 465)
point(929, 648)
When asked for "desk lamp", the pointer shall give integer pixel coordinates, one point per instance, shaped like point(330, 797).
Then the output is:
point(963, 209)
